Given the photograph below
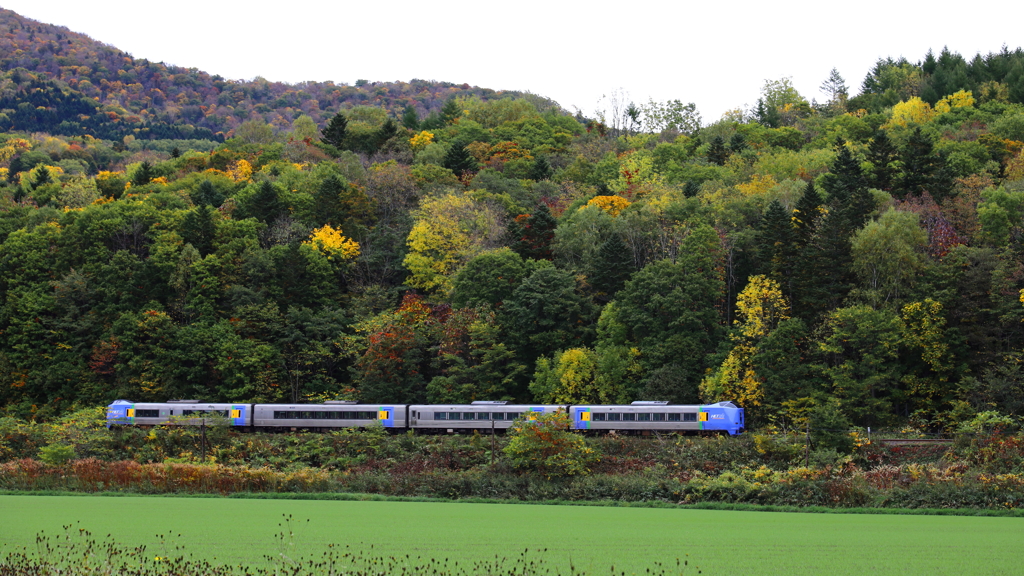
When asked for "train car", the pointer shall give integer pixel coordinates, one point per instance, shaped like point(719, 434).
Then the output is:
point(330, 415)
point(479, 415)
point(126, 412)
point(646, 417)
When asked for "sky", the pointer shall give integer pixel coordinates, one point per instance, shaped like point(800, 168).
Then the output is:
point(717, 55)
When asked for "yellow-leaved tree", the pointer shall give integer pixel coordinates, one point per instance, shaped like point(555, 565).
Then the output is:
point(959, 99)
point(913, 111)
point(759, 309)
point(613, 205)
point(331, 243)
point(449, 230)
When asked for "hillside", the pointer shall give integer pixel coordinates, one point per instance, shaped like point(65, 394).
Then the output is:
point(63, 82)
point(853, 262)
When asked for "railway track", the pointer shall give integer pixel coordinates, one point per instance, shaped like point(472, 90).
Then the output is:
point(914, 441)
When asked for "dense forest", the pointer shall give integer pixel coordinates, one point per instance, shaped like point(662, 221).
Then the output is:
point(168, 234)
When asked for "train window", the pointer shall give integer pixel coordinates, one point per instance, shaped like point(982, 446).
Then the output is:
point(483, 416)
point(644, 417)
point(674, 417)
point(689, 416)
point(629, 417)
point(513, 415)
point(497, 415)
point(613, 417)
point(597, 416)
point(658, 416)
point(147, 413)
point(440, 415)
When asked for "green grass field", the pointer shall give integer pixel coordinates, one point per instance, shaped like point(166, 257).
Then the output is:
point(631, 539)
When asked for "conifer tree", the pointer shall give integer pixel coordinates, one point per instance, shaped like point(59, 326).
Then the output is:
point(881, 154)
point(143, 174)
point(335, 131)
point(207, 195)
point(198, 229)
point(385, 133)
point(613, 266)
point(717, 152)
point(921, 169)
point(806, 215)
point(450, 111)
point(844, 177)
point(459, 160)
point(539, 231)
point(410, 119)
point(776, 243)
point(265, 205)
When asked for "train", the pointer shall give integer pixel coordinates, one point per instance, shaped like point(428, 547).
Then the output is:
point(641, 417)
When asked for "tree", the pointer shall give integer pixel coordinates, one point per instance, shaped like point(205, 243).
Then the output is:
point(835, 88)
point(254, 132)
point(776, 243)
point(206, 194)
point(921, 169)
point(670, 308)
point(335, 132)
point(410, 118)
point(449, 231)
point(544, 442)
point(489, 278)
point(450, 111)
point(859, 349)
point(612, 267)
point(717, 152)
point(143, 174)
point(198, 229)
point(531, 236)
point(888, 255)
point(546, 313)
point(760, 309)
point(882, 155)
point(265, 205)
point(459, 160)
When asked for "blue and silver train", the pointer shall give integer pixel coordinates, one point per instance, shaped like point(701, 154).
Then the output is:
point(635, 418)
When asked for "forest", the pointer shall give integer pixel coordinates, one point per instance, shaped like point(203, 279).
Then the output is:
point(167, 234)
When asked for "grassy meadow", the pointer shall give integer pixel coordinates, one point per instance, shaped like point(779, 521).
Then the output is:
point(594, 538)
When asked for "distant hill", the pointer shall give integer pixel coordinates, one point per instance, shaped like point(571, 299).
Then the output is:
point(63, 82)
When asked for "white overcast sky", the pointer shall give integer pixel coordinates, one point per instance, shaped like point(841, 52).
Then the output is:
point(716, 54)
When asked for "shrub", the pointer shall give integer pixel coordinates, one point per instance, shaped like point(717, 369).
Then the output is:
point(57, 454)
point(545, 444)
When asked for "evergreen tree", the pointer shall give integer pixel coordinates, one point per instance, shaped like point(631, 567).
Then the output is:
point(806, 215)
point(143, 174)
point(717, 152)
point(41, 178)
point(882, 154)
point(690, 189)
point(335, 131)
point(537, 233)
point(613, 266)
point(410, 119)
point(450, 111)
point(921, 169)
point(541, 169)
point(738, 143)
point(776, 243)
point(844, 176)
point(265, 205)
point(198, 229)
point(206, 194)
point(459, 160)
point(386, 132)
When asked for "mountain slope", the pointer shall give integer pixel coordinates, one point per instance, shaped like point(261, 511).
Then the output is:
point(63, 82)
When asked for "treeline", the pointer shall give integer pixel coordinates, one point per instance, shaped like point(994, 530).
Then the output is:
point(864, 262)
